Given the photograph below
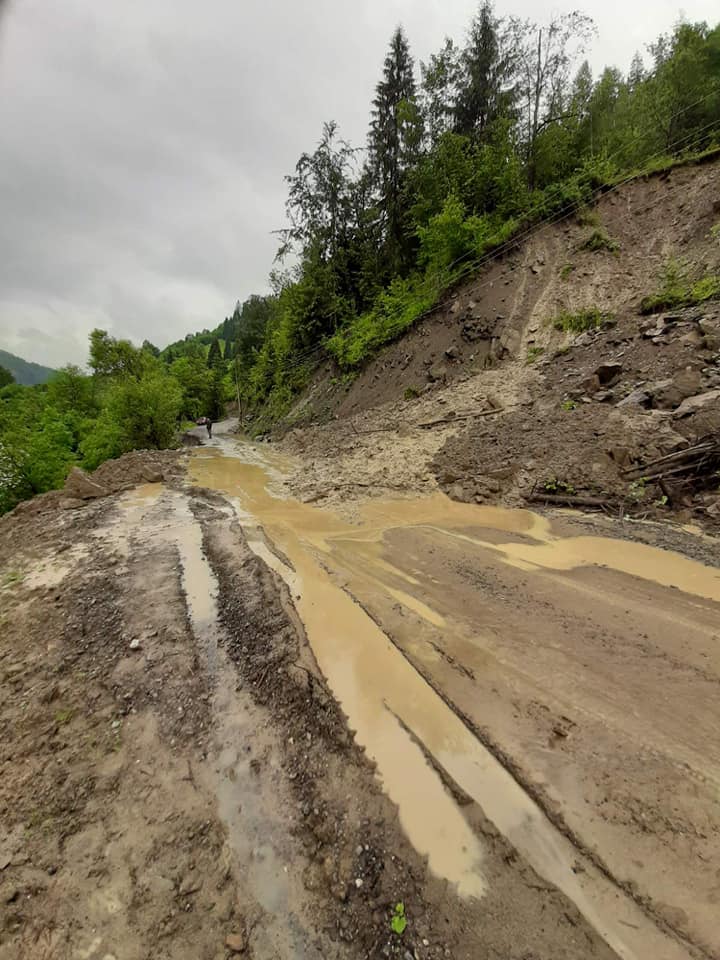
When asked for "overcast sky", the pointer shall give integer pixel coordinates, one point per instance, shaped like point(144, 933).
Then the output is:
point(143, 144)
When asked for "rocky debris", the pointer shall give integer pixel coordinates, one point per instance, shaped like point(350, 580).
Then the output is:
point(452, 352)
point(152, 475)
point(80, 485)
point(70, 503)
point(694, 404)
point(713, 508)
point(639, 397)
point(236, 942)
point(608, 373)
point(475, 326)
point(437, 372)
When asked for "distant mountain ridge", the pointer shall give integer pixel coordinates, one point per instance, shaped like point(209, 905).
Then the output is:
point(25, 371)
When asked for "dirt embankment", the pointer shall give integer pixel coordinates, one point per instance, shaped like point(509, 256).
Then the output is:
point(576, 411)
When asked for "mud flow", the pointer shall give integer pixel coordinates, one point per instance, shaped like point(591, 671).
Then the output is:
point(385, 620)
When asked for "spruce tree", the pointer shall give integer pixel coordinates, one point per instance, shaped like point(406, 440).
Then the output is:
point(485, 91)
point(395, 138)
point(214, 357)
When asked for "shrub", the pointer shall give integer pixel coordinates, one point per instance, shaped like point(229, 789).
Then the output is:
point(599, 240)
point(589, 319)
point(677, 289)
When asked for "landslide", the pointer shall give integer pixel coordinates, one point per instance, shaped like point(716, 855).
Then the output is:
point(576, 410)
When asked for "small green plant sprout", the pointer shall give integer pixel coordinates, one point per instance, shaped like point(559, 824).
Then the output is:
point(12, 577)
point(398, 921)
point(715, 232)
point(599, 240)
point(554, 485)
point(566, 270)
point(636, 490)
point(411, 393)
point(64, 716)
point(661, 501)
point(533, 354)
point(568, 404)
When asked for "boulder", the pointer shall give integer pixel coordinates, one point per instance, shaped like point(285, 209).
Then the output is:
point(151, 475)
point(664, 394)
point(438, 371)
point(81, 486)
point(713, 509)
point(636, 398)
point(70, 503)
point(591, 384)
point(458, 492)
point(699, 402)
point(688, 382)
point(608, 373)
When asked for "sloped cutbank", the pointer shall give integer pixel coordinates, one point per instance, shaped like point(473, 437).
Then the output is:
point(618, 417)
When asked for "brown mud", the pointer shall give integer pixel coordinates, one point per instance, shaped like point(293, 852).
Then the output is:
point(234, 723)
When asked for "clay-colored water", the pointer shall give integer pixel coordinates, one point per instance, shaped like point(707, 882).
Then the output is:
point(377, 687)
point(153, 512)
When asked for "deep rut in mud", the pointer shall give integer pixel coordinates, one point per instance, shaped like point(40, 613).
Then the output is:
point(399, 717)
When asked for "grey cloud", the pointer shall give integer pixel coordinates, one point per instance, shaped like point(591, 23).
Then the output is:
point(143, 145)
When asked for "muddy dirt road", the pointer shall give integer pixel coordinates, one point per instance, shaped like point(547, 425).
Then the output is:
point(238, 724)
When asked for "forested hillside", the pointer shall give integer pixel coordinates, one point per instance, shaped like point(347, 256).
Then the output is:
point(464, 155)
point(23, 371)
point(488, 137)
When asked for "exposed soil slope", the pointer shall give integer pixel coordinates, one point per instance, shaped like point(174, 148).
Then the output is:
point(576, 411)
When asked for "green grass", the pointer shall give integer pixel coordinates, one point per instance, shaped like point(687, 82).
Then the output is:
point(589, 319)
point(566, 271)
point(599, 240)
point(678, 289)
point(568, 405)
point(534, 353)
point(411, 393)
point(12, 577)
point(587, 217)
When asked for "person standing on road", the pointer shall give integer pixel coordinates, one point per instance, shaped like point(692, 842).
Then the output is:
point(208, 424)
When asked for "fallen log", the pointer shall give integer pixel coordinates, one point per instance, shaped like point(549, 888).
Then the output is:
point(569, 500)
point(687, 456)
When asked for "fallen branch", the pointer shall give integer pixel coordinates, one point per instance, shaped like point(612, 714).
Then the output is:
point(461, 416)
point(674, 462)
point(569, 500)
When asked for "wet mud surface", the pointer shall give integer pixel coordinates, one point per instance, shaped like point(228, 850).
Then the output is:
point(235, 723)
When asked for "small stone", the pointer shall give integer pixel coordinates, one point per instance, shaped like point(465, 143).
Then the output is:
point(236, 942)
point(452, 352)
point(135, 643)
point(359, 882)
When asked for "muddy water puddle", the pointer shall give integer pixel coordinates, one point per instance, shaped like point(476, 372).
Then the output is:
point(253, 820)
point(397, 716)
